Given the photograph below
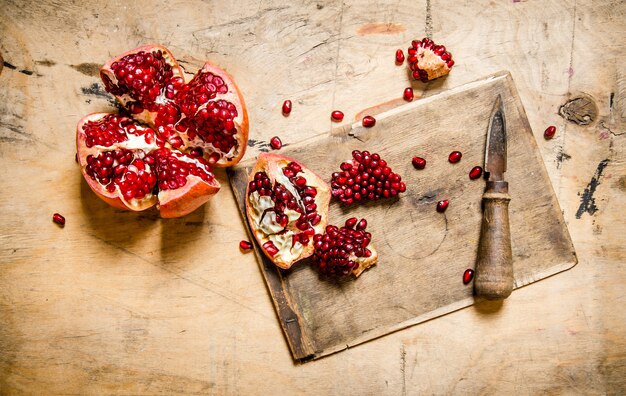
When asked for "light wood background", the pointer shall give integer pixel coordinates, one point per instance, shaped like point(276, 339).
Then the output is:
point(124, 303)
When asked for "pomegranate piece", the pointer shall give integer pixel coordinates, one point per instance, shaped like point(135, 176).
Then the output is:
point(286, 107)
point(455, 157)
point(408, 94)
point(368, 121)
point(123, 164)
point(468, 275)
point(366, 177)
point(245, 245)
point(428, 60)
point(59, 219)
point(442, 205)
point(399, 57)
point(475, 173)
point(207, 113)
point(344, 251)
point(276, 143)
point(286, 204)
point(418, 162)
point(336, 115)
point(549, 132)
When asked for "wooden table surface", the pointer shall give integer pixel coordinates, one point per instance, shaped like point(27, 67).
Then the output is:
point(127, 303)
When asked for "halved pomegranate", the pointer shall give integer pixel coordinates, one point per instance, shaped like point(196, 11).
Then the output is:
point(346, 250)
point(206, 116)
point(428, 60)
point(286, 204)
point(124, 165)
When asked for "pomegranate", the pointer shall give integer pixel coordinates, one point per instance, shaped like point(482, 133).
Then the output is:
point(346, 250)
point(549, 132)
point(399, 57)
point(245, 245)
point(336, 115)
point(455, 157)
point(286, 107)
point(418, 162)
point(206, 114)
point(442, 205)
point(428, 60)
point(475, 173)
point(368, 121)
point(124, 164)
point(366, 177)
point(276, 143)
point(286, 205)
point(408, 94)
point(59, 219)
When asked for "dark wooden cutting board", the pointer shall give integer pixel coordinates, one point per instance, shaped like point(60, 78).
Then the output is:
point(423, 254)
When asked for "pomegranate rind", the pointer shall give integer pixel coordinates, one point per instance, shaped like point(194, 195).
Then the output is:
point(184, 200)
point(114, 198)
point(106, 71)
point(270, 164)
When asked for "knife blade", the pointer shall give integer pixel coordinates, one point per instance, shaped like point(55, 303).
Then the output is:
point(494, 264)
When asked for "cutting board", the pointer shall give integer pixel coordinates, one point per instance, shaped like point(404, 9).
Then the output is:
point(423, 253)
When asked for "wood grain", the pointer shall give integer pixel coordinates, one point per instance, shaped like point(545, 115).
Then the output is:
point(119, 303)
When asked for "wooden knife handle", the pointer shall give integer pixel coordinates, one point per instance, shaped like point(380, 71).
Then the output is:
point(494, 266)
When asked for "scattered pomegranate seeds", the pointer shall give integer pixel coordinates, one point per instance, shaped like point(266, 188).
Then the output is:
point(59, 219)
point(455, 157)
point(276, 143)
point(468, 275)
point(368, 121)
point(408, 94)
point(399, 57)
point(442, 206)
point(419, 162)
point(287, 107)
point(476, 172)
point(549, 132)
point(245, 245)
point(336, 115)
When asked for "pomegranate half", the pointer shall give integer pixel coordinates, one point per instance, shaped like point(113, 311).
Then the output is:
point(286, 205)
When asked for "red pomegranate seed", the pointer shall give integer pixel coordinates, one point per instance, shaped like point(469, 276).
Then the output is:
point(455, 157)
point(287, 107)
point(245, 245)
point(368, 121)
point(59, 219)
point(270, 248)
point(408, 94)
point(419, 162)
point(399, 57)
point(549, 132)
point(442, 206)
point(336, 115)
point(350, 223)
point(361, 225)
point(468, 275)
point(276, 143)
point(476, 172)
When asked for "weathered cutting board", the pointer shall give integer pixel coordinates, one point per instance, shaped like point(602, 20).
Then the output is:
point(423, 254)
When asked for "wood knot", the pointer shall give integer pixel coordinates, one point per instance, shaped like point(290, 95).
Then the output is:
point(581, 110)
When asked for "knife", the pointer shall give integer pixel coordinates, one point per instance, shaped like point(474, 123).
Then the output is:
point(494, 265)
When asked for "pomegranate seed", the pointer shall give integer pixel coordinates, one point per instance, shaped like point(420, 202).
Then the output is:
point(419, 162)
point(549, 132)
point(468, 275)
point(408, 94)
point(361, 225)
point(476, 172)
point(350, 223)
point(276, 143)
point(399, 57)
point(368, 121)
point(59, 219)
point(442, 206)
point(336, 115)
point(245, 245)
point(454, 157)
point(270, 248)
point(286, 107)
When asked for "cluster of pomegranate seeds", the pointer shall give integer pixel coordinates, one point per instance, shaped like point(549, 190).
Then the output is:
point(428, 60)
point(368, 121)
point(336, 115)
point(286, 107)
point(399, 57)
point(365, 178)
point(418, 162)
point(442, 205)
point(174, 168)
point(245, 245)
point(58, 219)
point(408, 94)
point(549, 132)
point(468, 275)
point(338, 250)
point(276, 143)
point(455, 157)
point(475, 173)
point(113, 128)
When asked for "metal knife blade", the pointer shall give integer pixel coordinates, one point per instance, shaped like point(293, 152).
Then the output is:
point(495, 149)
